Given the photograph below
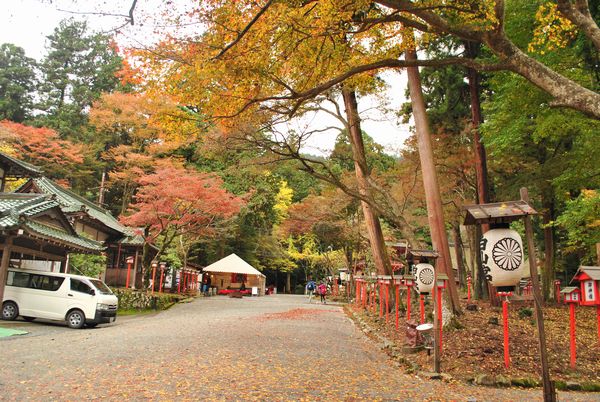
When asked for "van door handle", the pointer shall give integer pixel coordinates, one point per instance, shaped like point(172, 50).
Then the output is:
point(69, 294)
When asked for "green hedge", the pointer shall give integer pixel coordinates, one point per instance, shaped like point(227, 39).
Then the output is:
point(138, 300)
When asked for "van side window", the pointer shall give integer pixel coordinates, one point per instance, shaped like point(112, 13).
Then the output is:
point(34, 281)
point(19, 279)
point(44, 282)
point(80, 286)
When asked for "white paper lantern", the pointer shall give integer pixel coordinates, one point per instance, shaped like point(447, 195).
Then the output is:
point(424, 278)
point(502, 257)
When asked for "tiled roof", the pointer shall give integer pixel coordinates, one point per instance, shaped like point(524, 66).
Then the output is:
point(71, 202)
point(51, 233)
point(18, 210)
point(19, 168)
point(133, 237)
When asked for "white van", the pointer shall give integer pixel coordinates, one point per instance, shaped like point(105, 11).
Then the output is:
point(75, 299)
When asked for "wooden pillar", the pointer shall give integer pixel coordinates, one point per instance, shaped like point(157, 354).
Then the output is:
point(4, 265)
point(549, 393)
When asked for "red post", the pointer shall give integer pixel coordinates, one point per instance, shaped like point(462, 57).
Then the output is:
point(422, 308)
point(364, 294)
point(387, 302)
point(505, 323)
point(380, 299)
point(557, 290)
point(160, 285)
point(153, 275)
point(572, 333)
point(440, 321)
point(358, 298)
point(598, 319)
point(469, 281)
point(408, 303)
point(129, 262)
point(398, 302)
point(374, 299)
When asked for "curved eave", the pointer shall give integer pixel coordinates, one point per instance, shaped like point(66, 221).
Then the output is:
point(62, 239)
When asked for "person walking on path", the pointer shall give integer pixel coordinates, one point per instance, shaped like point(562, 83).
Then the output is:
point(310, 288)
point(323, 292)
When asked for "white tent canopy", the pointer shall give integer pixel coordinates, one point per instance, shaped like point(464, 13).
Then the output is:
point(234, 265)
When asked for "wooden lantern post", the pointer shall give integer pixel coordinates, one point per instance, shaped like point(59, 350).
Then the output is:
point(503, 213)
point(425, 282)
point(422, 309)
point(571, 296)
point(129, 261)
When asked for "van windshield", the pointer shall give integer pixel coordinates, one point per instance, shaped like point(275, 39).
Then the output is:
point(101, 286)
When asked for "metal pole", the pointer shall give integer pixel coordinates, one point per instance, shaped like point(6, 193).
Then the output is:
point(549, 392)
point(422, 308)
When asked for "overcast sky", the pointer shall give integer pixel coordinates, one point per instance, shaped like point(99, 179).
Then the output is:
point(26, 23)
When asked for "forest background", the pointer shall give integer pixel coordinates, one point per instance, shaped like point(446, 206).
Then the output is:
point(127, 127)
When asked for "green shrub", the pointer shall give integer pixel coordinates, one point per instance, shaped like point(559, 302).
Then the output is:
point(138, 300)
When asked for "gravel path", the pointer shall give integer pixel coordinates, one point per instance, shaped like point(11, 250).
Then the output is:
point(269, 348)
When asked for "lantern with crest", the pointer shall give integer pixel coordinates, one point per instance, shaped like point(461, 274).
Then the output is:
point(422, 261)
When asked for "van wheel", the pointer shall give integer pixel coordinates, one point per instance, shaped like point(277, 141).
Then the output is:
point(27, 318)
point(10, 311)
point(76, 319)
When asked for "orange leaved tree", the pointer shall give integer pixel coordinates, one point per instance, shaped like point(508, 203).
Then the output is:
point(176, 203)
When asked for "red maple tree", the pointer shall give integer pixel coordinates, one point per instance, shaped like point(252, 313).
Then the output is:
point(175, 202)
point(42, 147)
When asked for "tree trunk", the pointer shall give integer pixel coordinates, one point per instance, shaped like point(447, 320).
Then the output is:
point(380, 257)
point(458, 250)
point(547, 216)
point(435, 212)
point(481, 289)
point(288, 283)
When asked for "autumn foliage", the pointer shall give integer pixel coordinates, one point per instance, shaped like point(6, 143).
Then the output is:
point(42, 147)
point(177, 201)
